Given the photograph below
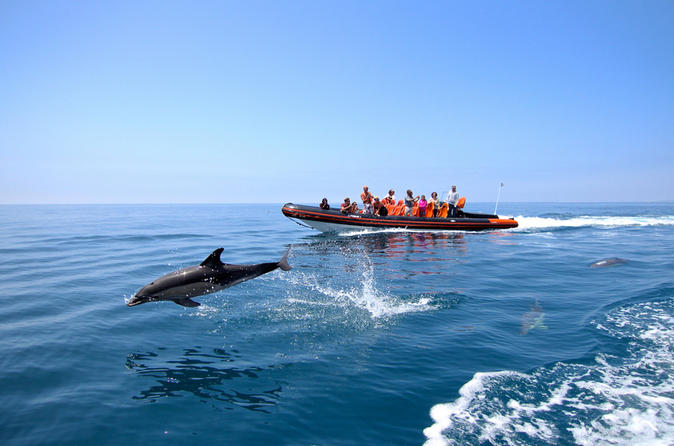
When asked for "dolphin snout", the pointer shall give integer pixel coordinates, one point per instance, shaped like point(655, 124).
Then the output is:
point(136, 300)
point(141, 297)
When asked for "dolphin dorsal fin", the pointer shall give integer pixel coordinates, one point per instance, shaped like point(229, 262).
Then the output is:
point(213, 260)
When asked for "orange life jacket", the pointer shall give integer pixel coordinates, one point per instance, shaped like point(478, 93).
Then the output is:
point(444, 209)
point(429, 209)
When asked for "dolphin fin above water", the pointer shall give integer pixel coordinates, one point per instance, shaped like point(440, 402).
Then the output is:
point(213, 260)
point(187, 302)
point(613, 261)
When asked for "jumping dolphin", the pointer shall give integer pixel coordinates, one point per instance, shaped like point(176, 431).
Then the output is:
point(210, 276)
point(608, 262)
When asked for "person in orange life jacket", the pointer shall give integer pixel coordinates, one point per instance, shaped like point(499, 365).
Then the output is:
point(436, 203)
point(390, 199)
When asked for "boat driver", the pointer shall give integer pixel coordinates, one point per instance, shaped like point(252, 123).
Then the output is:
point(452, 198)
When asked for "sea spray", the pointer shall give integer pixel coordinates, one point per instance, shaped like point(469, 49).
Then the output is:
point(353, 289)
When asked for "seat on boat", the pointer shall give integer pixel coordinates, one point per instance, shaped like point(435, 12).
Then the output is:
point(444, 209)
point(429, 210)
point(399, 209)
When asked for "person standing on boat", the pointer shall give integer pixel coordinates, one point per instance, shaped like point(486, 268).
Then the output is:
point(452, 199)
point(366, 196)
point(409, 202)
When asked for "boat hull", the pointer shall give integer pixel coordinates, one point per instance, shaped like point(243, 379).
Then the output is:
point(335, 221)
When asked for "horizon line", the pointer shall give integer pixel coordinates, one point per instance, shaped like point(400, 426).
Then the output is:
point(281, 203)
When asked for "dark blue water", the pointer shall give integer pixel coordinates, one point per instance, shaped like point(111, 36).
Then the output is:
point(386, 338)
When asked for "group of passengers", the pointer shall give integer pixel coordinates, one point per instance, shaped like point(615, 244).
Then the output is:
point(410, 206)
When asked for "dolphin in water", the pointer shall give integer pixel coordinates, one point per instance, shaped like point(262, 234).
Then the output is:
point(533, 319)
point(210, 276)
point(608, 262)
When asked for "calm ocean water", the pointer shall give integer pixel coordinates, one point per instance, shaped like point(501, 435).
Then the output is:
point(387, 338)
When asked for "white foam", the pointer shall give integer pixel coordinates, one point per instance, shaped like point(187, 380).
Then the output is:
point(352, 232)
point(293, 300)
point(446, 415)
point(204, 310)
point(613, 401)
point(358, 232)
point(529, 223)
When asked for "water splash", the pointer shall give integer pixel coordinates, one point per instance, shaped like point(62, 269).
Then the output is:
point(363, 293)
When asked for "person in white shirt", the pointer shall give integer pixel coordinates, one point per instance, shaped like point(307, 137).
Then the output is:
point(390, 199)
point(452, 198)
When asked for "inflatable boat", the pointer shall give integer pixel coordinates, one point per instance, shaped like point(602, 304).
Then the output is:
point(335, 221)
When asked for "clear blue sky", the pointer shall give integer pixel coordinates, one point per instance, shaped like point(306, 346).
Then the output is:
point(154, 102)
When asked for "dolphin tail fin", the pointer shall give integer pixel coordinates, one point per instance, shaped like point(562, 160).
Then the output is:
point(283, 263)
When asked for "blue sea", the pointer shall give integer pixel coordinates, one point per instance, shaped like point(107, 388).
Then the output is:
point(391, 337)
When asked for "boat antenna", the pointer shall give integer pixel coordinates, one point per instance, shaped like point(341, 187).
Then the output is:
point(497, 197)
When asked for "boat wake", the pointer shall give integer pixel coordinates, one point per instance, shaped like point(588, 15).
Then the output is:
point(536, 224)
point(530, 224)
point(611, 401)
